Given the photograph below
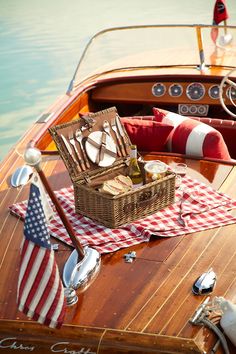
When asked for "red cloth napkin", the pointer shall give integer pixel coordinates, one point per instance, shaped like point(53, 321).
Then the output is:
point(197, 207)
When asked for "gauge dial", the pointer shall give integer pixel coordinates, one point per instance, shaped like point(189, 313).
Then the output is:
point(158, 89)
point(175, 90)
point(231, 92)
point(195, 91)
point(214, 92)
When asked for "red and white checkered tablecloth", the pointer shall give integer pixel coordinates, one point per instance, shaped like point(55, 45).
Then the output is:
point(197, 207)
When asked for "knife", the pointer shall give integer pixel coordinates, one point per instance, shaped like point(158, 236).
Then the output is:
point(122, 134)
point(95, 144)
point(100, 155)
point(68, 148)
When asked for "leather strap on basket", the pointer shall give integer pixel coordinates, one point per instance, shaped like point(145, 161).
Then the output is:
point(95, 144)
point(144, 200)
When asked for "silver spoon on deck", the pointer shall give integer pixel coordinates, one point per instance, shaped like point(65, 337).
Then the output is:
point(21, 176)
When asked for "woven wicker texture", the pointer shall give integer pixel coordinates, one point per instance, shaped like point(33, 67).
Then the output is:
point(111, 211)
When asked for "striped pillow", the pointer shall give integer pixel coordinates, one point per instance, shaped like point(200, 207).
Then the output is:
point(192, 137)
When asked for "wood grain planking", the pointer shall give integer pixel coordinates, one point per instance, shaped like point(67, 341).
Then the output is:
point(176, 278)
point(212, 258)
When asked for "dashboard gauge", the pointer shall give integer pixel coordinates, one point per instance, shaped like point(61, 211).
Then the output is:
point(203, 109)
point(158, 89)
point(231, 92)
point(193, 109)
point(214, 92)
point(175, 90)
point(195, 91)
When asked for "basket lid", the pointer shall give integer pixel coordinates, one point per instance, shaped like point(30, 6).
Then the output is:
point(94, 141)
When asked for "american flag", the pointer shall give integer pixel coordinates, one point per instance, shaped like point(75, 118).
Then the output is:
point(40, 292)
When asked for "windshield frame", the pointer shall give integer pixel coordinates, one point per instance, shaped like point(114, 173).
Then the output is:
point(201, 48)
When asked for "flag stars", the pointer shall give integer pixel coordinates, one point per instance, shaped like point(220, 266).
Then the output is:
point(35, 222)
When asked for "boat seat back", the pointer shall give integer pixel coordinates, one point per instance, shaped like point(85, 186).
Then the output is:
point(227, 128)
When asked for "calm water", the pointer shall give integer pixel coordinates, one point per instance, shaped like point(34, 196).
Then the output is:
point(41, 42)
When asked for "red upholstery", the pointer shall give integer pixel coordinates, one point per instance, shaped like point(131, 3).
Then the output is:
point(226, 127)
point(192, 137)
point(148, 135)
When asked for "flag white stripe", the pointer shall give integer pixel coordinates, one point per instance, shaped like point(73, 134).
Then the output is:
point(24, 264)
point(32, 275)
point(48, 211)
point(41, 287)
point(58, 309)
point(50, 299)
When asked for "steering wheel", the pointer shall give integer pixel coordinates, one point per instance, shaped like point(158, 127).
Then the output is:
point(223, 86)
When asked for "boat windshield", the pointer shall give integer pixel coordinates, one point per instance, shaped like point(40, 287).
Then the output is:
point(155, 46)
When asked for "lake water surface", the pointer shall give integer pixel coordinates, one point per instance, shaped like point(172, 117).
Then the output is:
point(41, 42)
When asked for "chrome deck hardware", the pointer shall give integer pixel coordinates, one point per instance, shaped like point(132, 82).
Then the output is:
point(201, 318)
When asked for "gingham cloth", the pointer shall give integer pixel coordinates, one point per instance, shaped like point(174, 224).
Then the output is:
point(197, 207)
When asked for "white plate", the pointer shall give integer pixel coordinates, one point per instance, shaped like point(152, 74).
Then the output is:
point(93, 151)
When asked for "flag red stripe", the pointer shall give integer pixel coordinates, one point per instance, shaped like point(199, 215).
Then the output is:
point(42, 269)
point(28, 269)
point(61, 316)
point(46, 294)
point(55, 304)
point(53, 308)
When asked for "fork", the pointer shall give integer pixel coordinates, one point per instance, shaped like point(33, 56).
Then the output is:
point(73, 143)
point(79, 138)
point(106, 127)
point(114, 128)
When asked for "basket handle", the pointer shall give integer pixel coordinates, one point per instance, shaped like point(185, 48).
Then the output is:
point(147, 197)
point(144, 199)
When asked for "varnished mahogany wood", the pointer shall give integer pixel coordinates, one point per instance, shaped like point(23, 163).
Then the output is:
point(141, 91)
point(143, 307)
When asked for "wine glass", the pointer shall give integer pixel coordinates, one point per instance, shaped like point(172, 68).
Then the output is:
point(180, 170)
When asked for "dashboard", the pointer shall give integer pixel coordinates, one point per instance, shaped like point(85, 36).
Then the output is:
point(193, 96)
point(196, 92)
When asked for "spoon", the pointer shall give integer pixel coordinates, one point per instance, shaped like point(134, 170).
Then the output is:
point(21, 176)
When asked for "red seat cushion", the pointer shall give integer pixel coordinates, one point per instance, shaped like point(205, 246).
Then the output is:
point(146, 134)
point(191, 137)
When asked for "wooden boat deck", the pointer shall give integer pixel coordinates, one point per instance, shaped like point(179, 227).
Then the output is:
point(143, 307)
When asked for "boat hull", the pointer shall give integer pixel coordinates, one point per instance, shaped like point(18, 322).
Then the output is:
point(145, 306)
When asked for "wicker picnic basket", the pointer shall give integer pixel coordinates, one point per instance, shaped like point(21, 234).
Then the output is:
point(111, 211)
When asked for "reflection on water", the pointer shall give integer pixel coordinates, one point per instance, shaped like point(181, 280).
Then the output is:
point(41, 42)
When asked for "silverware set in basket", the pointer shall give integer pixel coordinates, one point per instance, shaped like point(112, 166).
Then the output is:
point(100, 147)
